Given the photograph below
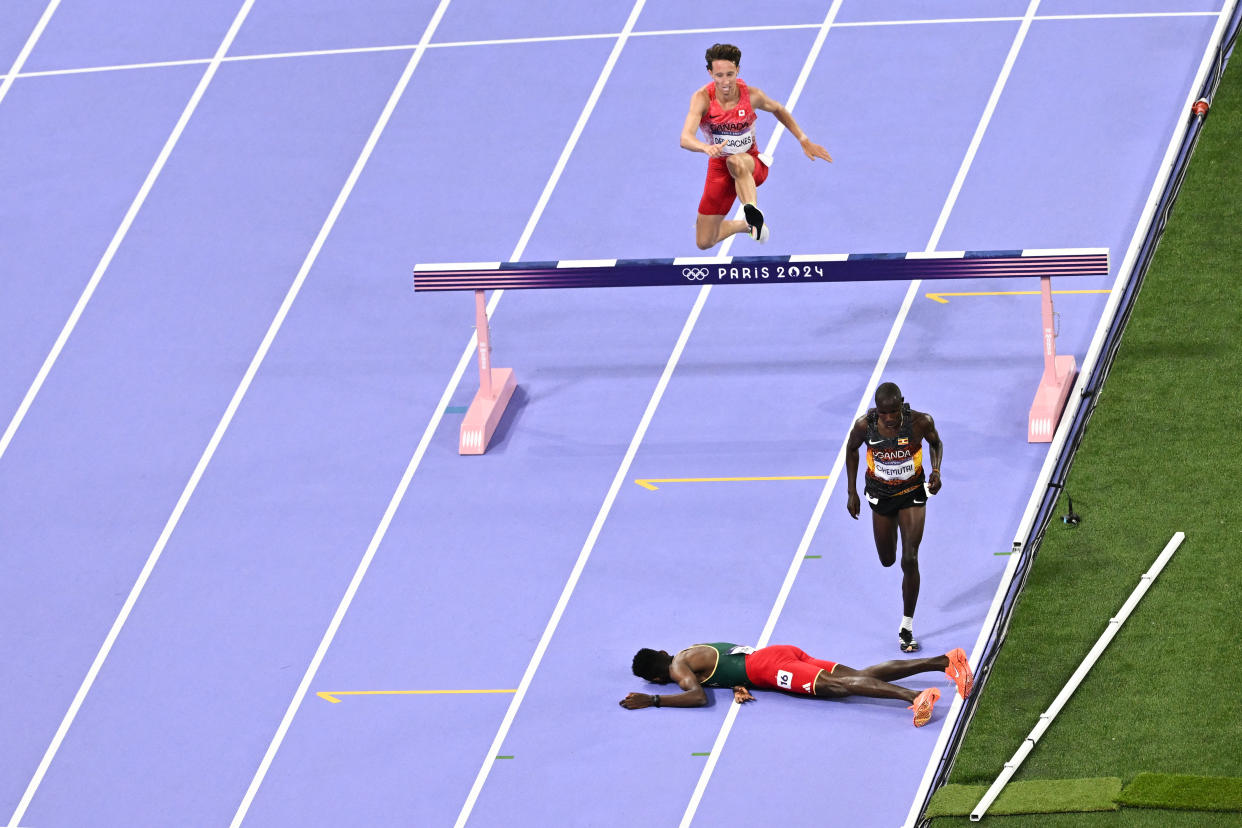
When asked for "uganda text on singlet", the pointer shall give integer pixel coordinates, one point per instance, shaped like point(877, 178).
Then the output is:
point(730, 665)
point(894, 464)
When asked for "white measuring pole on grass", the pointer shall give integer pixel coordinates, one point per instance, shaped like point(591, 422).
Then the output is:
point(1114, 624)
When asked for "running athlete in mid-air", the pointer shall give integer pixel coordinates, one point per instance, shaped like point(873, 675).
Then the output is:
point(782, 667)
point(725, 111)
point(895, 490)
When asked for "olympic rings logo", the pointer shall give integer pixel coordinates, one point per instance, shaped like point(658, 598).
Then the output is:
point(694, 274)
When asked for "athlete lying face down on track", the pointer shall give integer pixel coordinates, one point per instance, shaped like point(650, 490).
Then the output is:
point(782, 667)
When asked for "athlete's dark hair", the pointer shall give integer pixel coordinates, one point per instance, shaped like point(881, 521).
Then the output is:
point(724, 51)
point(650, 664)
point(887, 391)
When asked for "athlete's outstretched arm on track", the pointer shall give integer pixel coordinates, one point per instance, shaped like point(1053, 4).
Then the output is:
point(857, 434)
point(698, 108)
point(809, 147)
point(695, 695)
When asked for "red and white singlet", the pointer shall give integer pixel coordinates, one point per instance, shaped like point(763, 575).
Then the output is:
point(733, 127)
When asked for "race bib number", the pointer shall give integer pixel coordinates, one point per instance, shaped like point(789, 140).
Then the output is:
point(784, 679)
point(741, 649)
point(895, 471)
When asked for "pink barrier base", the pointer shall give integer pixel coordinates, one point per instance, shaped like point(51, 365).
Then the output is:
point(485, 412)
point(1050, 399)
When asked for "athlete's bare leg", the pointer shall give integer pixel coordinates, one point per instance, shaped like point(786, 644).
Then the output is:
point(911, 520)
point(884, 527)
point(902, 667)
point(710, 231)
point(874, 681)
point(742, 168)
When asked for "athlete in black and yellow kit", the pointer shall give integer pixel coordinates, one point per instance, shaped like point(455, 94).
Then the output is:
point(782, 667)
point(896, 488)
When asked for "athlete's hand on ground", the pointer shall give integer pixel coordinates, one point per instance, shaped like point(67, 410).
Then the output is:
point(853, 505)
point(636, 701)
point(933, 482)
point(814, 150)
point(741, 695)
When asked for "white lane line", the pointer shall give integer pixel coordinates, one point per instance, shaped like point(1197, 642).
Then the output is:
point(1093, 351)
point(123, 229)
point(15, 70)
point(117, 238)
point(389, 107)
point(502, 732)
point(401, 47)
point(50, 73)
point(709, 767)
point(977, 138)
point(821, 504)
point(803, 546)
point(584, 555)
point(407, 477)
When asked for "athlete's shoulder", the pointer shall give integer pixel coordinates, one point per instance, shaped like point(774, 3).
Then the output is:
point(759, 99)
point(858, 431)
point(923, 422)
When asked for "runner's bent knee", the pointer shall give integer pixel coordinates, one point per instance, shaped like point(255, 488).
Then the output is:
point(740, 164)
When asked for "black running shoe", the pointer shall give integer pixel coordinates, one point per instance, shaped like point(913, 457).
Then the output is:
point(906, 639)
point(754, 218)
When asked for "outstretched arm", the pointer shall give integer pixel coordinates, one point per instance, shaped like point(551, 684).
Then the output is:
point(936, 449)
point(694, 695)
point(809, 148)
point(857, 434)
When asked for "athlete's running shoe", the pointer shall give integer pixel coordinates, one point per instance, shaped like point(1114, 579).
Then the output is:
point(959, 670)
point(754, 217)
point(905, 638)
point(923, 704)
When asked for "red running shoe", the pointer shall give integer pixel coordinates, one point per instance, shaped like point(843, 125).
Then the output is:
point(923, 704)
point(959, 670)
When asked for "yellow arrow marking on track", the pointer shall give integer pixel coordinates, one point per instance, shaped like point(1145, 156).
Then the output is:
point(646, 482)
point(938, 297)
point(331, 695)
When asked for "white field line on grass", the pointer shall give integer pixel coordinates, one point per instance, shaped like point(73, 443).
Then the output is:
point(1076, 678)
point(425, 441)
point(1075, 397)
point(15, 72)
point(117, 238)
point(881, 363)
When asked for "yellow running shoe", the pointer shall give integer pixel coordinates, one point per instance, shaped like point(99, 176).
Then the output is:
point(959, 670)
point(923, 704)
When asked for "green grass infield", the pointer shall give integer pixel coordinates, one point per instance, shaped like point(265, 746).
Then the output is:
point(1037, 796)
point(1183, 792)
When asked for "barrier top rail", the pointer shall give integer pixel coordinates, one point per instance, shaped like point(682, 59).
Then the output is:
point(700, 270)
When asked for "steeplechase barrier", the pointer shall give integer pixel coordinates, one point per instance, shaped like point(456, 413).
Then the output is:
point(496, 385)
